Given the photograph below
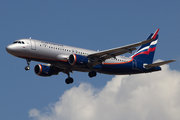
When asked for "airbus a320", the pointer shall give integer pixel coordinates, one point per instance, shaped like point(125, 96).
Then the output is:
point(66, 59)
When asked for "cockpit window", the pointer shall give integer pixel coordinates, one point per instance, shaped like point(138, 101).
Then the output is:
point(19, 42)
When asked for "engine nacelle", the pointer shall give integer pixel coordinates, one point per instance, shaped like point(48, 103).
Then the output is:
point(44, 70)
point(79, 60)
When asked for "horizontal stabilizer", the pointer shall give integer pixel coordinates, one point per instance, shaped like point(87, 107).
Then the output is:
point(158, 64)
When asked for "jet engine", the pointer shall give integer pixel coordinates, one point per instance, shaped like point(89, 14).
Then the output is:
point(78, 60)
point(45, 70)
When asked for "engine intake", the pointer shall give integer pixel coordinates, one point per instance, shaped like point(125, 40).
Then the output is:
point(44, 70)
point(79, 60)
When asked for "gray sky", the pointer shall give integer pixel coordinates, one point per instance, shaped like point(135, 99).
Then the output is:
point(96, 25)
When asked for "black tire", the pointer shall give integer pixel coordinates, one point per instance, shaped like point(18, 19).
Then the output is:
point(92, 74)
point(69, 80)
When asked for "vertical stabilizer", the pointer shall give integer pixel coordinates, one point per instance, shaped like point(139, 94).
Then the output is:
point(145, 53)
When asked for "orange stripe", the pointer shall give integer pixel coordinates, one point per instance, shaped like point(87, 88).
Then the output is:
point(61, 60)
point(117, 63)
point(75, 60)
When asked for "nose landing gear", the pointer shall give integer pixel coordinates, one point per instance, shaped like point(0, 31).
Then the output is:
point(28, 63)
point(27, 68)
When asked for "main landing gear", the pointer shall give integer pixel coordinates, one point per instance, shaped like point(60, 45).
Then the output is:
point(92, 74)
point(28, 63)
point(69, 79)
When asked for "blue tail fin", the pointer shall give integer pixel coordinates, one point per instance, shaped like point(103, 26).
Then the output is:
point(145, 53)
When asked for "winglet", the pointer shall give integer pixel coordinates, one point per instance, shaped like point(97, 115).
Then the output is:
point(155, 34)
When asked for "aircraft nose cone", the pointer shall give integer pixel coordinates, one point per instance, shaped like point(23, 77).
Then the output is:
point(10, 49)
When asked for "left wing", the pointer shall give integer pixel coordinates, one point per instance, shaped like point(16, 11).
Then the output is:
point(106, 54)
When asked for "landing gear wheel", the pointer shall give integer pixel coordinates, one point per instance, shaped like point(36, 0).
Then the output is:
point(69, 80)
point(28, 63)
point(27, 68)
point(92, 74)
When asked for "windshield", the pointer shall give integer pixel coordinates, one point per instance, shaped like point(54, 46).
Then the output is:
point(19, 42)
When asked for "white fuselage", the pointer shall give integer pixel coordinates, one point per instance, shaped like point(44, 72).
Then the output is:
point(52, 53)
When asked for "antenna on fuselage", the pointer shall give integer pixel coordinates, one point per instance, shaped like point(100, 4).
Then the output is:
point(30, 38)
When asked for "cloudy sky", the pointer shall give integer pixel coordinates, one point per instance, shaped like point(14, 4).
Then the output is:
point(96, 25)
point(140, 97)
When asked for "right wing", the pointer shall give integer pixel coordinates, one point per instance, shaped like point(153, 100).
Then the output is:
point(106, 54)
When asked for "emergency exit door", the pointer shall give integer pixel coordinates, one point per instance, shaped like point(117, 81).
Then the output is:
point(33, 44)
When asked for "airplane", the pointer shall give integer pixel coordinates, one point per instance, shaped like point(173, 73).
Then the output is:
point(66, 59)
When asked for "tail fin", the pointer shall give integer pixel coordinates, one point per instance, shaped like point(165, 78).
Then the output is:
point(145, 53)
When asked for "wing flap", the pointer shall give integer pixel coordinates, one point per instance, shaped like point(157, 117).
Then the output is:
point(158, 64)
